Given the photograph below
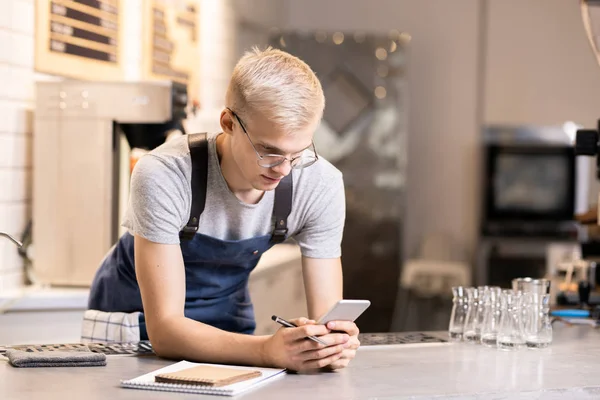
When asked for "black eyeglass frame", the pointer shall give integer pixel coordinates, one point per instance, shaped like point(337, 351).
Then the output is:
point(283, 158)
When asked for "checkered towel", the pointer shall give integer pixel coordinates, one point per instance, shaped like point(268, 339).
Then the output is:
point(99, 326)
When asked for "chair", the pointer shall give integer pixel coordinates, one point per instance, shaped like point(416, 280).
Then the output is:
point(426, 282)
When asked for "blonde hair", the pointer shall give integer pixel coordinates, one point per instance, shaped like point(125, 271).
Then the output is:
point(280, 86)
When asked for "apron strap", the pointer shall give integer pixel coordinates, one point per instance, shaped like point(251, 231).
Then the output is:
point(198, 144)
point(282, 208)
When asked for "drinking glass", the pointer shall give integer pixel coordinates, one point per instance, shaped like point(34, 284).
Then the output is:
point(510, 329)
point(459, 313)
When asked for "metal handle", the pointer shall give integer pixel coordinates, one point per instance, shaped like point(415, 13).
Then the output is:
point(12, 239)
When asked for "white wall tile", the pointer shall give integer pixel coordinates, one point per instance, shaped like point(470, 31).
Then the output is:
point(15, 184)
point(16, 95)
point(14, 218)
point(16, 49)
point(10, 260)
point(17, 83)
point(15, 150)
point(15, 116)
point(20, 84)
point(23, 17)
point(21, 50)
point(4, 73)
point(5, 14)
point(12, 280)
point(5, 46)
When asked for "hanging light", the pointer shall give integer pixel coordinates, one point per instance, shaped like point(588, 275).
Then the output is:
point(338, 38)
point(404, 37)
point(380, 92)
point(381, 53)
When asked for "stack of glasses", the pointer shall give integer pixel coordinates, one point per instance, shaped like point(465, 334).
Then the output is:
point(507, 319)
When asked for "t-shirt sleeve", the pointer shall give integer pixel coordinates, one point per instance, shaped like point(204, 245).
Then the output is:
point(321, 234)
point(159, 201)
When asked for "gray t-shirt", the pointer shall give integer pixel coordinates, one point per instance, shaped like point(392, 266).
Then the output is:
point(161, 197)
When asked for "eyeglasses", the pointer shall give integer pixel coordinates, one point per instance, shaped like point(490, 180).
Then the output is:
point(306, 159)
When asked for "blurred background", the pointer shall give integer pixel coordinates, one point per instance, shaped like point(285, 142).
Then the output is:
point(454, 124)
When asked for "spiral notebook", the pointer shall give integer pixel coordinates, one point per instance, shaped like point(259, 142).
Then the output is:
point(148, 381)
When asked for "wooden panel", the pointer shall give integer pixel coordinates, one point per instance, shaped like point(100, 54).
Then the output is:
point(170, 42)
point(86, 194)
point(46, 214)
point(72, 200)
point(79, 39)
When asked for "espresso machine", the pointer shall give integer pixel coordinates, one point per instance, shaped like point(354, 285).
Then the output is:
point(83, 133)
point(587, 143)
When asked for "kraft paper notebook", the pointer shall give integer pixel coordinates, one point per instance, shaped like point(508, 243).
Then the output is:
point(189, 377)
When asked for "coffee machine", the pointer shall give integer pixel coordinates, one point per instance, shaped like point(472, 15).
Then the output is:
point(587, 143)
point(581, 274)
point(83, 131)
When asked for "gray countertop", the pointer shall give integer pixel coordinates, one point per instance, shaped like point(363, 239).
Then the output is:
point(43, 298)
point(569, 369)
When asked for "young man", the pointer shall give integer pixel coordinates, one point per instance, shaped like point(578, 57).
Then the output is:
point(191, 297)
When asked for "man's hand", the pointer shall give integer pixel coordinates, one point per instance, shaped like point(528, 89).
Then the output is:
point(290, 348)
point(353, 343)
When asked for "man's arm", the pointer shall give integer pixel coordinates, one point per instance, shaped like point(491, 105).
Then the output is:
point(161, 276)
point(323, 284)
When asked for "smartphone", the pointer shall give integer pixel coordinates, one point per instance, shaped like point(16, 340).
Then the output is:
point(345, 310)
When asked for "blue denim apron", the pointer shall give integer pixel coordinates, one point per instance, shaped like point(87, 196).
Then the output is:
point(216, 281)
point(216, 271)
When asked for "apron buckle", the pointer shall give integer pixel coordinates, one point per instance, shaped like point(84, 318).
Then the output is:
point(188, 232)
point(279, 235)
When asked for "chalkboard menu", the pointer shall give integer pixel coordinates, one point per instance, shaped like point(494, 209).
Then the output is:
point(171, 42)
point(79, 38)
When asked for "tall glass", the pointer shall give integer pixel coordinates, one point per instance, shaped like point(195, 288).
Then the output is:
point(510, 330)
point(491, 317)
point(472, 325)
point(537, 326)
point(459, 313)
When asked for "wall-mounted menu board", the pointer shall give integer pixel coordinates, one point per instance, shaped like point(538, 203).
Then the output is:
point(171, 42)
point(79, 38)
